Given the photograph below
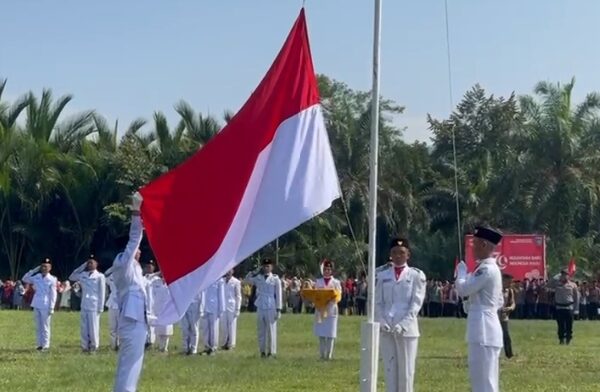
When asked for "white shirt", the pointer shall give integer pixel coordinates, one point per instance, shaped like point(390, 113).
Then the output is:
point(268, 291)
point(233, 295)
point(398, 301)
point(214, 298)
point(93, 289)
point(484, 289)
point(128, 277)
point(45, 290)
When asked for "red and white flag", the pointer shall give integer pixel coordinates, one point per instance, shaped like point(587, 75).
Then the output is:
point(268, 171)
point(572, 268)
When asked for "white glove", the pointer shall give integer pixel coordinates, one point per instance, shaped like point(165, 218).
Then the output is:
point(576, 312)
point(36, 269)
point(278, 315)
point(136, 201)
point(461, 270)
point(398, 329)
point(385, 327)
point(237, 314)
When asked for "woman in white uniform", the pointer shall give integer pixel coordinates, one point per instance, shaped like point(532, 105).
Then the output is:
point(325, 324)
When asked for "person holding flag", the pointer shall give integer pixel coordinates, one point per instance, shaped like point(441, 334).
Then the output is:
point(131, 289)
point(399, 295)
point(484, 332)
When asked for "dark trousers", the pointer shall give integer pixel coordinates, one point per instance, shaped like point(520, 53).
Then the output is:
point(361, 306)
point(543, 311)
point(583, 312)
point(435, 309)
point(593, 311)
point(564, 319)
point(530, 310)
point(506, 339)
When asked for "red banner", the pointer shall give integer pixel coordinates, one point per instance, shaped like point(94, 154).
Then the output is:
point(521, 255)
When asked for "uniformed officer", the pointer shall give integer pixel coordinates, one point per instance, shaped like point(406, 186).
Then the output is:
point(190, 326)
point(43, 301)
point(233, 304)
point(131, 289)
point(484, 289)
point(399, 295)
point(160, 296)
point(93, 294)
point(213, 305)
point(508, 307)
point(112, 303)
point(325, 326)
point(566, 297)
point(268, 307)
point(153, 281)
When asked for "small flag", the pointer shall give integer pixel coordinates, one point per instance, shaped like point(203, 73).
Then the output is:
point(572, 267)
point(268, 171)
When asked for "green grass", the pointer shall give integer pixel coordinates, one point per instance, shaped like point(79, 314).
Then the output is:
point(541, 364)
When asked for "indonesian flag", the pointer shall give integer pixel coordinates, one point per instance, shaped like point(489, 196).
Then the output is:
point(268, 171)
point(572, 268)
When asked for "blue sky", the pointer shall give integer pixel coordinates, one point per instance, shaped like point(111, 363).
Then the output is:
point(127, 59)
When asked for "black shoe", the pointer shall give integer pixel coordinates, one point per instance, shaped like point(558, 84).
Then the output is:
point(188, 352)
point(561, 341)
point(148, 345)
point(263, 355)
point(226, 348)
point(39, 348)
point(568, 341)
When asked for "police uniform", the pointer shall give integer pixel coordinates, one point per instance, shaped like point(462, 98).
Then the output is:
point(566, 298)
point(213, 305)
point(190, 326)
point(93, 294)
point(43, 303)
point(399, 296)
point(325, 327)
point(131, 289)
point(484, 333)
point(233, 303)
point(268, 309)
point(112, 303)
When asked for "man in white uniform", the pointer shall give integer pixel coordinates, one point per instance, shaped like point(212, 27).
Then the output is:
point(325, 324)
point(399, 295)
point(130, 284)
point(112, 303)
point(190, 326)
point(153, 282)
point(211, 308)
point(43, 301)
point(233, 303)
point(268, 307)
point(484, 332)
point(93, 293)
point(160, 296)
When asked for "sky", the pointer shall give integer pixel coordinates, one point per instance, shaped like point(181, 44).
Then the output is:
point(127, 59)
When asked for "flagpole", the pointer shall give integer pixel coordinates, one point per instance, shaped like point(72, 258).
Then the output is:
point(369, 358)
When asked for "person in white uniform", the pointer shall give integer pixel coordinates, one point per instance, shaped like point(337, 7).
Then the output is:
point(399, 295)
point(153, 282)
point(93, 294)
point(43, 301)
point(233, 304)
point(160, 296)
point(190, 326)
point(112, 303)
point(268, 307)
point(484, 332)
point(325, 325)
point(131, 289)
point(213, 305)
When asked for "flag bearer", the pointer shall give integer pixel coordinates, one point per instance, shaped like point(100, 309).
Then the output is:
point(325, 324)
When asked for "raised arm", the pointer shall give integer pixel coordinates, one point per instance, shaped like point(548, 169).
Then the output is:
point(28, 277)
point(467, 285)
point(76, 275)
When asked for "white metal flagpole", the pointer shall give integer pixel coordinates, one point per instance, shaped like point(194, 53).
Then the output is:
point(369, 343)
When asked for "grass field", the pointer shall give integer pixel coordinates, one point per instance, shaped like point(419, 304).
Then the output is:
point(540, 365)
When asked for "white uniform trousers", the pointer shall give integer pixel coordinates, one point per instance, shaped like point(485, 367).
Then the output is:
point(484, 367)
point(210, 331)
point(228, 323)
point(42, 318)
point(132, 335)
point(113, 324)
point(150, 335)
point(90, 330)
point(267, 330)
point(326, 347)
point(190, 330)
point(163, 335)
point(399, 355)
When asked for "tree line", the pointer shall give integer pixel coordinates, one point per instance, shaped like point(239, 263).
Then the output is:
point(525, 164)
